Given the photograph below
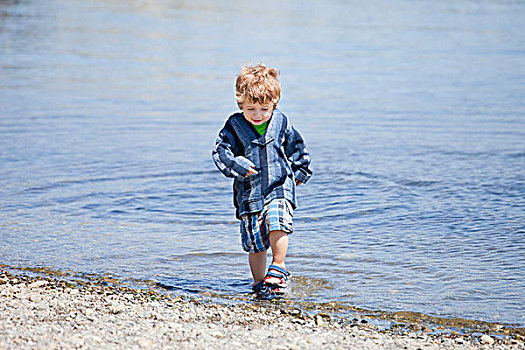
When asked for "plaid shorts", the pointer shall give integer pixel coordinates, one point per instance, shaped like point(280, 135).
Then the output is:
point(256, 228)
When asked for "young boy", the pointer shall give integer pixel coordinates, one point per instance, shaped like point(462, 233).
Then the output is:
point(267, 157)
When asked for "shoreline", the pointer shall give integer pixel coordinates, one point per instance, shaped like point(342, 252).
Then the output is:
point(43, 311)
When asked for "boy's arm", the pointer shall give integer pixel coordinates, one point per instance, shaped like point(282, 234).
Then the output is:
point(298, 155)
point(225, 160)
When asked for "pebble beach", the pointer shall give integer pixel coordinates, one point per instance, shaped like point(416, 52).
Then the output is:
point(48, 313)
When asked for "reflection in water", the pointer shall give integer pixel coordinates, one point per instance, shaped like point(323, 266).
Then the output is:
point(412, 112)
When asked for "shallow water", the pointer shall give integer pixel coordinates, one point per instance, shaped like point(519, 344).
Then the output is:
point(413, 112)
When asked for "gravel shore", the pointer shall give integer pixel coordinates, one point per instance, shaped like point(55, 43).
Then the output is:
point(46, 313)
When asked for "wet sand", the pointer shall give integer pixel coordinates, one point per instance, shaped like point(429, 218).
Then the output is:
point(48, 313)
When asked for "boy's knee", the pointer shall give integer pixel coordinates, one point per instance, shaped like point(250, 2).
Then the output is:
point(278, 231)
point(277, 235)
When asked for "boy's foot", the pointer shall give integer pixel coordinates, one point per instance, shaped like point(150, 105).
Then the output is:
point(263, 292)
point(257, 287)
point(276, 279)
point(273, 285)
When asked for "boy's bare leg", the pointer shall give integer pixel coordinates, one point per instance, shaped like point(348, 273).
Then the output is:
point(258, 266)
point(279, 243)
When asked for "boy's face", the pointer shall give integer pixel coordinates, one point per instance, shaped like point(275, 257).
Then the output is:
point(256, 113)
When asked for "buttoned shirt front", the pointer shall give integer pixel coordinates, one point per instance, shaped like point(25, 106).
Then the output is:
point(279, 156)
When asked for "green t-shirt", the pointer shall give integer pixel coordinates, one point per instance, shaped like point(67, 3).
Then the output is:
point(261, 129)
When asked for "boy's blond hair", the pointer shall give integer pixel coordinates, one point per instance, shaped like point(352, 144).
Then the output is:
point(258, 84)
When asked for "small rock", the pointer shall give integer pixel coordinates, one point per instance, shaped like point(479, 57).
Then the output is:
point(155, 316)
point(145, 343)
point(34, 298)
point(116, 308)
point(294, 312)
point(89, 312)
point(324, 315)
point(173, 325)
point(38, 284)
point(426, 329)
point(96, 339)
point(299, 321)
point(42, 306)
point(77, 340)
point(316, 342)
point(319, 321)
point(216, 334)
point(487, 339)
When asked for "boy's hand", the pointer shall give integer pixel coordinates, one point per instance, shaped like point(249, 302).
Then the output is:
point(251, 171)
point(297, 182)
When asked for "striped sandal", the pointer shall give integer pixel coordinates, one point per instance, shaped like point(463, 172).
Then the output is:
point(263, 292)
point(276, 279)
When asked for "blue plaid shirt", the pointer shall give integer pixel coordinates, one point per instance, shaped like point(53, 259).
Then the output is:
point(279, 156)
